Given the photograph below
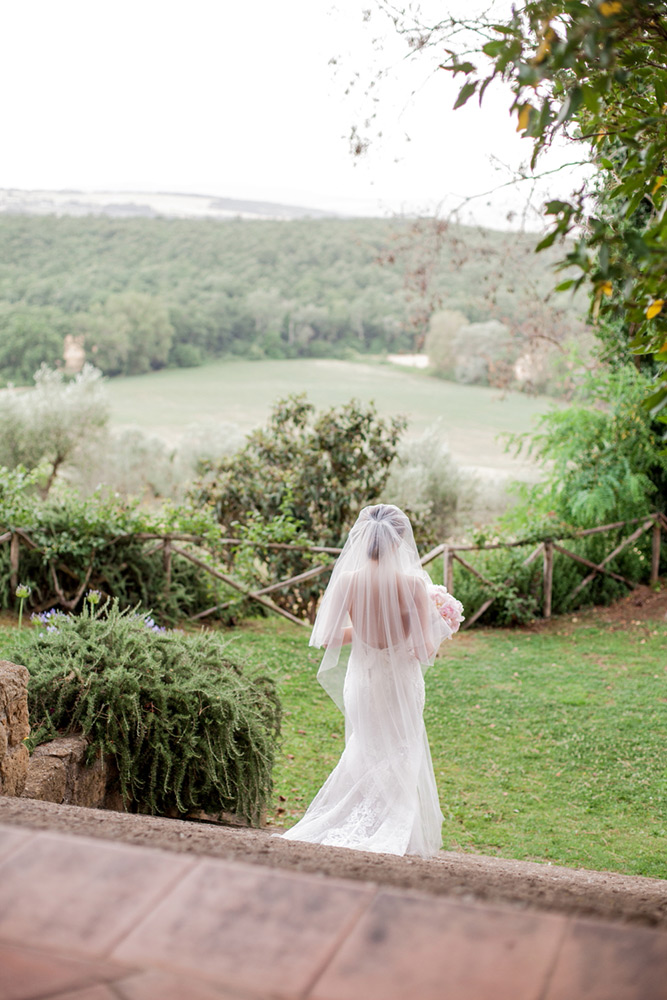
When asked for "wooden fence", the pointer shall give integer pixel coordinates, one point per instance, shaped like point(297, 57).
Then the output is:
point(171, 545)
point(546, 547)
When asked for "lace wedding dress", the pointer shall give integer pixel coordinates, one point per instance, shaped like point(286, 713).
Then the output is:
point(382, 794)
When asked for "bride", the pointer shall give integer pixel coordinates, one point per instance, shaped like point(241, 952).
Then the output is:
point(382, 795)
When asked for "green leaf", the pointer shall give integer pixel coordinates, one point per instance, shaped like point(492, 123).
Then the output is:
point(548, 241)
point(571, 105)
point(555, 206)
point(591, 99)
point(634, 241)
point(657, 400)
point(485, 84)
point(564, 285)
point(494, 48)
point(465, 93)
point(528, 75)
point(603, 260)
point(459, 67)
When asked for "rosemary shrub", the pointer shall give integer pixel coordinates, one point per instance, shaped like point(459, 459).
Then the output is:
point(187, 728)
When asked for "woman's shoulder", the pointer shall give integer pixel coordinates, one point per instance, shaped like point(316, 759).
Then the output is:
point(413, 582)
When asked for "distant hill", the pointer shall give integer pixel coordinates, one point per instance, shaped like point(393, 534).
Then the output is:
point(147, 204)
point(137, 294)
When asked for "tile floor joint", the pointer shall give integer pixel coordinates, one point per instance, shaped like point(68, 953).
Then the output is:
point(146, 911)
point(340, 939)
point(544, 992)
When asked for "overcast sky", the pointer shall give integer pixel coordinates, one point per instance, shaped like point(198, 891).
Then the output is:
point(239, 98)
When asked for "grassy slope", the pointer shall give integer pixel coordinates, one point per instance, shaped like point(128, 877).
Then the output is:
point(546, 745)
point(241, 392)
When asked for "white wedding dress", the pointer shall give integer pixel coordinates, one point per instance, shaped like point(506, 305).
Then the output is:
point(382, 795)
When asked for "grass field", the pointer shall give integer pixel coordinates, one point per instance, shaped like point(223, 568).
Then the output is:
point(547, 745)
point(241, 392)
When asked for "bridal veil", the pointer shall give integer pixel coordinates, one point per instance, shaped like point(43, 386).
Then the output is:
point(382, 795)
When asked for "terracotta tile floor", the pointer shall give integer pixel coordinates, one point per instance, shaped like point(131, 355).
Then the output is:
point(84, 919)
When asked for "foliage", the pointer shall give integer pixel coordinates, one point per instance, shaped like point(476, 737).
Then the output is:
point(30, 336)
point(96, 541)
point(239, 288)
point(330, 464)
point(518, 590)
point(596, 72)
point(601, 464)
point(129, 335)
point(316, 470)
point(425, 481)
point(439, 345)
point(186, 728)
point(55, 424)
point(485, 354)
point(471, 353)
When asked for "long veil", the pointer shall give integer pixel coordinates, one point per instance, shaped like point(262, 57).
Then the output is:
point(377, 599)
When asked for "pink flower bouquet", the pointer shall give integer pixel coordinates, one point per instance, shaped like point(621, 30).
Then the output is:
point(449, 609)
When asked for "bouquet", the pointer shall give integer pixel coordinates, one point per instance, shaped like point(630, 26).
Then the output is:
point(449, 609)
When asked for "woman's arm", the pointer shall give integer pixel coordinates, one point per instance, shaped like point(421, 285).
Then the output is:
point(425, 618)
point(335, 631)
point(347, 637)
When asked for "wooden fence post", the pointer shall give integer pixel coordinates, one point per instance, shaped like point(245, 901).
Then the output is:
point(166, 561)
point(448, 568)
point(548, 577)
point(14, 563)
point(655, 551)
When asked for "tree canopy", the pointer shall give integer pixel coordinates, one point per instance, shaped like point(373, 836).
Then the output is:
point(597, 73)
point(143, 293)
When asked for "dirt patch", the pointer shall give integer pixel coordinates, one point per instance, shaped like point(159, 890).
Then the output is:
point(605, 895)
point(643, 606)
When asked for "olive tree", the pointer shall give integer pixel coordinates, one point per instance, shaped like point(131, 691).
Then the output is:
point(52, 424)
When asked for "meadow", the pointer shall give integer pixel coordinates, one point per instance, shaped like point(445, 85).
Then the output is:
point(169, 403)
point(547, 742)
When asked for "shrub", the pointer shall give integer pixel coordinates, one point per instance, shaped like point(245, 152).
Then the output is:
point(518, 589)
point(313, 472)
point(603, 463)
point(186, 727)
point(98, 540)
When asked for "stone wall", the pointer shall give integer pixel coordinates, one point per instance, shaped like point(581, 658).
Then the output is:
point(57, 772)
point(14, 727)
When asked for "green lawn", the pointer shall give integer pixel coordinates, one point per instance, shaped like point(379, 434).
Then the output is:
point(547, 745)
point(241, 392)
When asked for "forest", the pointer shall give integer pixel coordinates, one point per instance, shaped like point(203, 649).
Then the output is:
point(141, 294)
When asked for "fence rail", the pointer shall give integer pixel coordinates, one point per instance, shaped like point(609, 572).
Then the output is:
point(450, 552)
